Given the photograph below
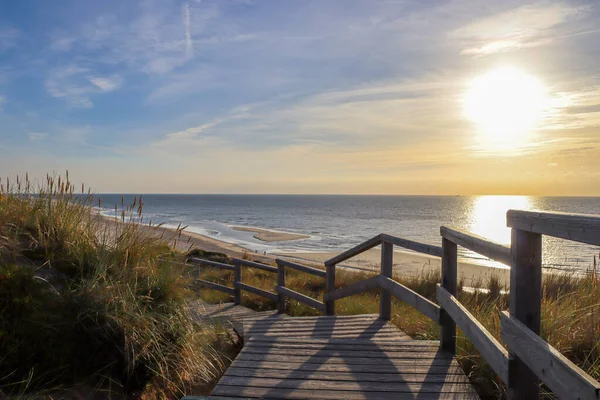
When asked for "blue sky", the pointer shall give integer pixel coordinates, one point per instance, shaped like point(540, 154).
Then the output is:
point(293, 96)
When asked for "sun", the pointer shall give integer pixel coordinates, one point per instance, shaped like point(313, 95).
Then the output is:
point(506, 105)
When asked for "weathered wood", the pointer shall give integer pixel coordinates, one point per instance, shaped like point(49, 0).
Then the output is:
point(279, 393)
point(237, 277)
point(401, 387)
point(257, 291)
point(302, 268)
point(577, 227)
point(412, 245)
point(449, 282)
point(309, 301)
point(354, 289)
point(329, 288)
point(211, 263)
point(420, 303)
point(487, 345)
point(478, 244)
point(361, 248)
point(215, 286)
point(564, 378)
point(281, 282)
point(253, 264)
point(387, 265)
point(398, 363)
point(525, 306)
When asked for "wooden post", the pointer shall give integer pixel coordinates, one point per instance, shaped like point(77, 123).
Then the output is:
point(525, 305)
point(330, 287)
point(449, 282)
point(387, 264)
point(281, 282)
point(237, 277)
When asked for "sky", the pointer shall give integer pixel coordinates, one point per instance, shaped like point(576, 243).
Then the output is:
point(271, 96)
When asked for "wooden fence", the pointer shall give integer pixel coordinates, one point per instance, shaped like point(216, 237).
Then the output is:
point(528, 359)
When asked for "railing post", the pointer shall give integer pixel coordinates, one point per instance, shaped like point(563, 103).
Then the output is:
point(330, 287)
point(525, 305)
point(237, 277)
point(281, 282)
point(387, 265)
point(449, 282)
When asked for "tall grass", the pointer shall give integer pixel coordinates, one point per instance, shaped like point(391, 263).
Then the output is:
point(570, 313)
point(95, 303)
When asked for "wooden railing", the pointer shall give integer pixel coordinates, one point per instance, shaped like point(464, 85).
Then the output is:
point(528, 359)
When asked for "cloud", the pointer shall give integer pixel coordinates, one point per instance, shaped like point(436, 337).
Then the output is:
point(36, 136)
point(61, 44)
point(75, 85)
point(189, 46)
point(523, 27)
point(107, 84)
point(8, 37)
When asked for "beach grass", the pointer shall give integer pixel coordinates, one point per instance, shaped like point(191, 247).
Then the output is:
point(92, 306)
point(570, 313)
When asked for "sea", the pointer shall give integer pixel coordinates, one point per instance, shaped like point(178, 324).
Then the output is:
point(338, 222)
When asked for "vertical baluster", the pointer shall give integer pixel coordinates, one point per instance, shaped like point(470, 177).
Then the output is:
point(330, 287)
point(449, 282)
point(237, 278)
point(281, 282)
point(387, 264)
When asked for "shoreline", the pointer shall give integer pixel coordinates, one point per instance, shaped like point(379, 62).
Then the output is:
point(268, 235)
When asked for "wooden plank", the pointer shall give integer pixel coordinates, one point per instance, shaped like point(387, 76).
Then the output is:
point(400, 387)
point(309, 301)
point(412, 245)
point(354, 251)
point(354, 289)
point(398, 377)
point(406, 368)
point(329, 288)
point(420, 303)
point(487, 345)
point(257, 291)
point(525, 305)
point(449, 282)
point(582, 228)
point(350, 329)
point(323, 318)
point(564, 378)
point(316, 394)
point(317, 359)
point(237, 277)
point(387, 266)
point(478, 244)
point(281, 282)
point(253, 264)
point(283, 324)
point(387, 355)
point(302, 268)
point(215, 286)
point(324, 344)
point(211, 263)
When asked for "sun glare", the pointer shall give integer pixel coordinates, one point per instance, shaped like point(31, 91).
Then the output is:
point(505, 104)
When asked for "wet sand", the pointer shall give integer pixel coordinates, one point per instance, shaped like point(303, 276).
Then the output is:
point(270, 236)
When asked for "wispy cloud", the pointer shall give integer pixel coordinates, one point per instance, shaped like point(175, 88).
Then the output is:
point(523, 27)
point(189, 46)
point(8, 37)
point(37, 136)
point(75, 85)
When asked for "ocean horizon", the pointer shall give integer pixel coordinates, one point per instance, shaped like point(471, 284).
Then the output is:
point(338, 222)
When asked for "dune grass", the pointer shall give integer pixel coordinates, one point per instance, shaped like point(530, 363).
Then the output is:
point(570, 313)
point(91, 306)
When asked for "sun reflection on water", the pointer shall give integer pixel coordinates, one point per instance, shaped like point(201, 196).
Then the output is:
point(488, 215)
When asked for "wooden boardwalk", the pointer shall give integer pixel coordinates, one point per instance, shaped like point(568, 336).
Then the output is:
point(333, 357)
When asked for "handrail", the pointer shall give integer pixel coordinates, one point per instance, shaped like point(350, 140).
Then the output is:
point(211, 263)
point(215, 286)
point(354, 289)
point(478, 244)
point(253, 264)
point(302, 268)
point(354, 251)
point(491, 350)
point(412, 245)
point(309, 301)
point(582, 228)
point(420, 303)
point(564, 378)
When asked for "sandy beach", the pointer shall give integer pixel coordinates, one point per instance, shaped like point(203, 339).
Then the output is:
point(405, 263)
point(270, 236)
